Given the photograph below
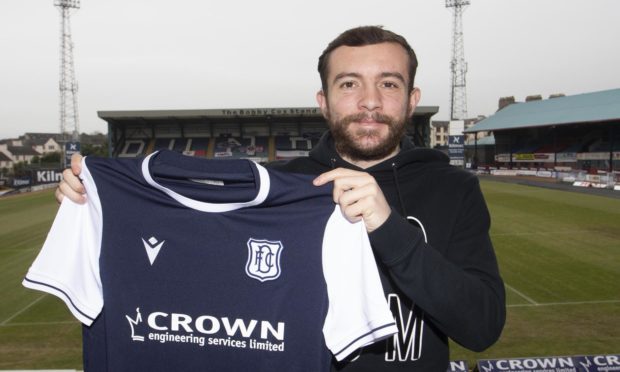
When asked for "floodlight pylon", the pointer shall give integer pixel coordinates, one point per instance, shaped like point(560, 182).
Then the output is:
point(69, 116)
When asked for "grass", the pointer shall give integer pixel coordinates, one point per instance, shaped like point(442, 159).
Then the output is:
point(559, 254)
point(36, 330)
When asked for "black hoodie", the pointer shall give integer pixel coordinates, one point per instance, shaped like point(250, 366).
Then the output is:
point(435, 257)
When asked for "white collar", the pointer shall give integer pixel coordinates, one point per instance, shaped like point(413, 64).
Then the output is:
point(263, 191)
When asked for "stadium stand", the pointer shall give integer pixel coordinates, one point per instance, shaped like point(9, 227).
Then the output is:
point(247, 147)
point(527, 149)
point(565, 134)
point(199, 146)
point(574, 148)
point(180, 144)
point(258, 134)
point(132, 148)
point(285, 143)
point(579, 133)
point(163, 143)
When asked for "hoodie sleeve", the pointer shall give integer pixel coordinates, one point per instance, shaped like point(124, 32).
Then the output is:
point(459, 288)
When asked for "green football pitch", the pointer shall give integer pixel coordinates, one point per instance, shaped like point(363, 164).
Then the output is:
point(559, 254)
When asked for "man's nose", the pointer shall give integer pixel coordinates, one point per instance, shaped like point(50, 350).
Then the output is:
point(370, 99)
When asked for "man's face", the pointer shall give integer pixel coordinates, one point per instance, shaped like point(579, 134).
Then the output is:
point(367, 103)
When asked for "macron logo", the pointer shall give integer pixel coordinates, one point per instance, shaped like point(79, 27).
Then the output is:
point(152, 247)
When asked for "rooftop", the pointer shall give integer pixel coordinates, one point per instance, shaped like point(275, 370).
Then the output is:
point(580, 108)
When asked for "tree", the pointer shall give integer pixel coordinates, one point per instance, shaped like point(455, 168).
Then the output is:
point(94, 150)
point(51, 158)
point(20, 169)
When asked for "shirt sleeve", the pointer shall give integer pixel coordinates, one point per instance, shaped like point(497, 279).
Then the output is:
point(358, 313)
point(68, 264)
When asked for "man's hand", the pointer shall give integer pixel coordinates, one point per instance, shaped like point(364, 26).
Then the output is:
point(71, 186)
point(358, 195)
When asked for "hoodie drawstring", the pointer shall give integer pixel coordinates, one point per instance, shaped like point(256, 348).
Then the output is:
point(403, 211)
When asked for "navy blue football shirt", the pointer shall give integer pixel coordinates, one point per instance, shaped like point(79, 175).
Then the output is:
point(179, 263)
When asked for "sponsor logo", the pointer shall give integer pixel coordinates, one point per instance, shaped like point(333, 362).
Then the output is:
point(207, 331)
point(70, 149)
point(589, 363)
point(17, 182)
point(455, 140)
point(133, 323)
point(458, 366)
point(263, 259)
point(152, 246)
point(532, 363)
point(49, 176)
point(599, 362)
point(487, 368)
point(586, 364)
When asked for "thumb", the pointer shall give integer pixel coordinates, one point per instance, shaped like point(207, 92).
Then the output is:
point(76, 164)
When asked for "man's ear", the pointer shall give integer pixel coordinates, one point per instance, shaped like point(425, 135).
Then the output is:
point(414, 98)
point(321, 99)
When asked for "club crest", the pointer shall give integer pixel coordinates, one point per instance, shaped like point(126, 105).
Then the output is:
point(263, 259)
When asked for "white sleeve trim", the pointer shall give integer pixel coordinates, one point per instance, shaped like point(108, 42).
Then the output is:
point(68, 264)
point(358, 313)
point(80, 311)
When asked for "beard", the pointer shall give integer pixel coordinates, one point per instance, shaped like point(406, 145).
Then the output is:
point(366, 144)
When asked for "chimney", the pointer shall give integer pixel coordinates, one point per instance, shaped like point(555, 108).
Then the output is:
point(556, 95)
point(505, 101)
point(536, 97)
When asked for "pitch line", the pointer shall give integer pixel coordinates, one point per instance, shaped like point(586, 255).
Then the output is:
point(22, 310)
point(40, 323)
point(532, 302)
point(526, 233)
point(567, 303)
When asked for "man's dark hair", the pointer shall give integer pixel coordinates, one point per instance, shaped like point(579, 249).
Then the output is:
point(362, 36)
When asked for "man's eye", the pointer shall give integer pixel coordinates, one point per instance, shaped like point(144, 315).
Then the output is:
point(389, 84)
point(347, 84)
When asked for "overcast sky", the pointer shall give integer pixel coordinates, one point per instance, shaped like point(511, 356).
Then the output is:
point(197, 54)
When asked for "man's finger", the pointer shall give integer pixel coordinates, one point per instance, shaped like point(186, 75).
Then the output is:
point(76, 164)
point(59, 195)
point(72, 181)
point(334, 174)
point(68, 191)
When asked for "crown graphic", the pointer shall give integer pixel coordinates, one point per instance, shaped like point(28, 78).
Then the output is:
point(133, 323)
